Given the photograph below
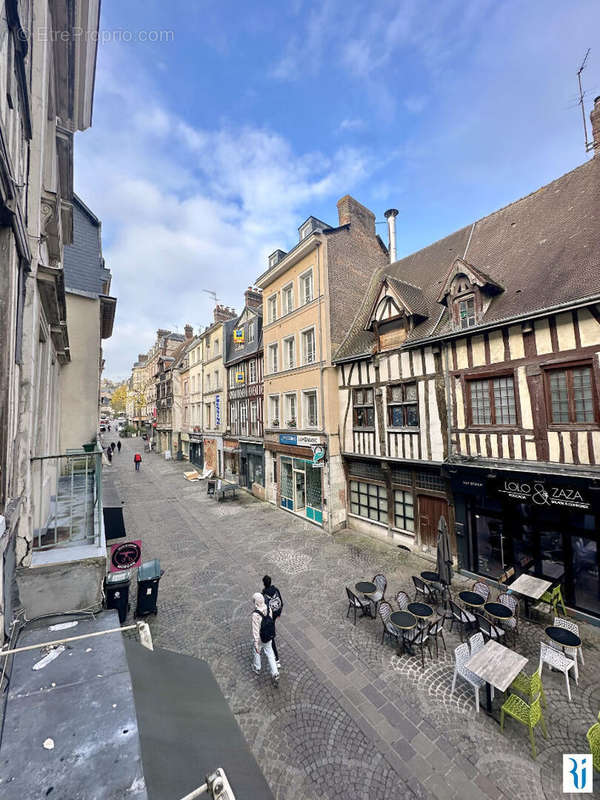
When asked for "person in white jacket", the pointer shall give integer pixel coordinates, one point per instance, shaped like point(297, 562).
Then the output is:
point(261, 611)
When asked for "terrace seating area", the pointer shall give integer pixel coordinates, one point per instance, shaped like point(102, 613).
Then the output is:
point(517, 668)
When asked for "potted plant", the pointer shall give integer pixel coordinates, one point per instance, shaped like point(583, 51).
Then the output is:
point(291, 423)
point(275, 423)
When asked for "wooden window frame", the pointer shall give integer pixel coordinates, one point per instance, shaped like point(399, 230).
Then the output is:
point(489, 377)
point(355, 406)
point(380, 487)
point(391, 404)
point(568, 366)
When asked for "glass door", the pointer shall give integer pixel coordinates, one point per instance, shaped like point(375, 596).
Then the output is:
point(287, 490)
point(300, 491)
point(585, 573)
point(489, 540)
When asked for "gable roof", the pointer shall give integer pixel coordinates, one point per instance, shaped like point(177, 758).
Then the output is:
point(477, 277)
point(543, 249)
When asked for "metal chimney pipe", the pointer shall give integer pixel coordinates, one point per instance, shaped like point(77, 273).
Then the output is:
point(391, 215)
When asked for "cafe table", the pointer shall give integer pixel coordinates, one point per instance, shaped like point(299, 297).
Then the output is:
point(498, 666)
point(405, 621)
point(422, 611)
point(471, 599)
point(498, 610)
point(430, 577)
point(530, 587)
point(366, 588)
point(565, 638)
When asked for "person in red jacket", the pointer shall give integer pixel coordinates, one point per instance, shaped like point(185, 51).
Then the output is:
point(137, 460)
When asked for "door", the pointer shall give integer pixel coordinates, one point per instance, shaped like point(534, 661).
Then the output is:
point(299, 491)
point(430, 511)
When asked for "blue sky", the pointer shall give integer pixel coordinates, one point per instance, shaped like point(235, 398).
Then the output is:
point(208, 149)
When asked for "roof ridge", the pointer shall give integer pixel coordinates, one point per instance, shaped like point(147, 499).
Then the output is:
point(408, 283)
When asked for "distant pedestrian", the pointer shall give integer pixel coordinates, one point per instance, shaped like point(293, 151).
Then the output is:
point(112, 446)
point(119, 446)
point(109, 454)
point(274, 600)
point(137, 460)
point(263, 631)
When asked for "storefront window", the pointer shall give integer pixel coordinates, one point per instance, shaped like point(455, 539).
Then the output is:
point(313, 487)
point(585, 573)
point(369, 500)
point(404, 510)
point(287, 486)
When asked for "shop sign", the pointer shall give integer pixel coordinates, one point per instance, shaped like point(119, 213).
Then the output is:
point(308, 441)
point(318, 451)
point(125, 556)
point(239, 377)
point(238, 335)
point(218, 410)
point(288, 438)
point(541, 494)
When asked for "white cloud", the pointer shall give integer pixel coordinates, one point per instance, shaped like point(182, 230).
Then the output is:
point(185, 209)
point(352, 125)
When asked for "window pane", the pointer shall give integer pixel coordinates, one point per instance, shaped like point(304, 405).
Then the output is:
point(403, 510)
point(559, 396)
point(410, 391)
point(397, 394)
point(480, 402)
point(358, 396)
point(412, 416)
point(397, 417)
point(504, 401)
point(582, 390)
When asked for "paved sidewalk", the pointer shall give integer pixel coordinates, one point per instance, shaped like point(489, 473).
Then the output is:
point(350, 718)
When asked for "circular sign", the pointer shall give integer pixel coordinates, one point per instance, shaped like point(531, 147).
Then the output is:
point(126, 555)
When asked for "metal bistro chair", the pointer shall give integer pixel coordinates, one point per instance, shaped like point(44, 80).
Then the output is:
point(437, 629)
point(476, 642)
point(557, 660)
point(385, 612)
point(489, 630)
point(402, 601)
point(461, 656)
point(512, 623)
point(356, 603)
point(428, 592)
point(482, 589)
point(420, 638)
point(461, 617)
point(211, 487)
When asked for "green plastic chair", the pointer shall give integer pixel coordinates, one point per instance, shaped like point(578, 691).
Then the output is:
point(525, 713)
point(593, 737)
point(553, 597)
point(529, 686)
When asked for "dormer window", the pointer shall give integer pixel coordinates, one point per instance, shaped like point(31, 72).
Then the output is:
point(466, 312)
point(305, 230)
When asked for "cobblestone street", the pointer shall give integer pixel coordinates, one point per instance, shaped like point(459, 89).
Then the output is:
point(350, 718)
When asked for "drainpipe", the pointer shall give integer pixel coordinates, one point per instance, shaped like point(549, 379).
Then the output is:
point(322, 393)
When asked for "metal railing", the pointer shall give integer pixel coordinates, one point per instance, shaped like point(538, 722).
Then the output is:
point(67, 499)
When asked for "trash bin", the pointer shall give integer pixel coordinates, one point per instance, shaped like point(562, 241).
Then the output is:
point(116, 588)
point(149, 574)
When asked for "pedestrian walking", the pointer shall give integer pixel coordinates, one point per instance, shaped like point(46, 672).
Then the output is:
point(137, 460)
point(263, 630)
point(119, 446)
point(112, 446)
point(109, 454)
point(274, 600)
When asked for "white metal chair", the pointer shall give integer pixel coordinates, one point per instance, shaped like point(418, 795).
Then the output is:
point(476, 642)
point(461, 656)
point(571, 652)
point(554, 658)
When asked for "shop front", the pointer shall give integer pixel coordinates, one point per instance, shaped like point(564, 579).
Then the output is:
point(252, 464)
point(185, 446)
point(541, 523)
point(300, 465)
point(231, 459)
point(196, 450)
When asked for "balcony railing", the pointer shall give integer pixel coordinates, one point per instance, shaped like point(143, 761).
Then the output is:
point(67, 499)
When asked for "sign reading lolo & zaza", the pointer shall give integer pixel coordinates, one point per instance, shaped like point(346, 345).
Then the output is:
point(541, 494)
point(126, 555)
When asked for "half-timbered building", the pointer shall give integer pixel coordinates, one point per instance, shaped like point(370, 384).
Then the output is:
point(476, 361)
point(244, 451)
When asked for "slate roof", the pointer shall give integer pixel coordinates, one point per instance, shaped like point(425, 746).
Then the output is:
point(544, 249)
point(83, 263)
point(233, 356)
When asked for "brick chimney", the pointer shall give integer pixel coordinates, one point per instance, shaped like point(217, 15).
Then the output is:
point(595, 118)
point(142, 356)
point(223, 313)
point(189, 332)
point(253, 297)
point(353, 212)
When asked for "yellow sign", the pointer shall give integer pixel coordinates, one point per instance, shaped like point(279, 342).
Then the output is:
point(238, 335)
point(240, 377)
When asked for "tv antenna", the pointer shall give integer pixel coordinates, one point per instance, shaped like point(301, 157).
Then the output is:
point(212, 294)
point(588, 145)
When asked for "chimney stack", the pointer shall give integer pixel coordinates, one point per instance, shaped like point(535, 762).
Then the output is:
point(353, 212)
point(595, 118)
point(189, 332)
point(391, 215)
point(253, 297)
point(223, 313)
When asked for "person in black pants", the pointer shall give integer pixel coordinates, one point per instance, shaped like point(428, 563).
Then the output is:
point(274, 601)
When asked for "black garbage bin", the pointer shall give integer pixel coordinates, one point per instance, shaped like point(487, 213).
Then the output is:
point(116, 588)
point(149, 574)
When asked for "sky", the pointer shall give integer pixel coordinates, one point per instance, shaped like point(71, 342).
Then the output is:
point(220, 126)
